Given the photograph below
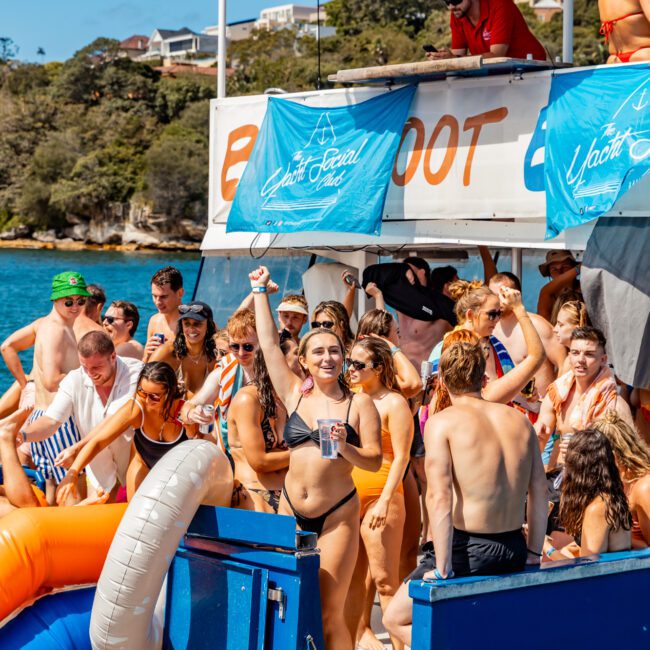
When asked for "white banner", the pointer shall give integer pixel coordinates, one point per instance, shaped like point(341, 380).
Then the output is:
point(462, 155)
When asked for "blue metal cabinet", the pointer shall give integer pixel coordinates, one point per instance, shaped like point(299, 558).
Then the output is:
point(597, 602)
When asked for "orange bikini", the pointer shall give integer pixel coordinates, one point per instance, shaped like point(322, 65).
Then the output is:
point(371, 484)
point(607, 27)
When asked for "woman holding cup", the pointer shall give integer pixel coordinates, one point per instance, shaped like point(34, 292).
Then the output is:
point(319, 492)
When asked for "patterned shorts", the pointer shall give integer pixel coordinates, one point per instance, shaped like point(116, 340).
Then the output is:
point(45, 452)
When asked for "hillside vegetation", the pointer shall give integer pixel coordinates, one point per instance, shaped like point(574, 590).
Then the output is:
point(86, 139)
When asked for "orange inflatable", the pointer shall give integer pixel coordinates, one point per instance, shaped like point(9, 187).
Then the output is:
point(43, 548)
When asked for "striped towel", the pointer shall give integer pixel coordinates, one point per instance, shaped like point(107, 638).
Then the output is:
point(229, 384)
point(502, 359)
point(45, 452)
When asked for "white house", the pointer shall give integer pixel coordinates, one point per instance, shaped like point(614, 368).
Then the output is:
point(235, 31)
point(284, 16)
point(181, 44)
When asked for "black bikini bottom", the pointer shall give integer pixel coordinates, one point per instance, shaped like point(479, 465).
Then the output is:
point(315, 524)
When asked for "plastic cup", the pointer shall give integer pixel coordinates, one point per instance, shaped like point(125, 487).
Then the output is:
point(328, 448)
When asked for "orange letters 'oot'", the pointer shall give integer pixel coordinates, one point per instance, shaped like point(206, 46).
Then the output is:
point(235, 156)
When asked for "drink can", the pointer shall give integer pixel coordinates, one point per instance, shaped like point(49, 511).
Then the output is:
point(426, 370)
point(160, 336)
point(207, 409)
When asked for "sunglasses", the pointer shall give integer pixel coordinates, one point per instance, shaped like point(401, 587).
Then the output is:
point(453, 3)
point(325, 324)
point(359, 365)
point(79, 301)
point(111, 319)
point(247, 347)
point(220, 354)
point(153, 397)
point(493, 314)
point(195, 309)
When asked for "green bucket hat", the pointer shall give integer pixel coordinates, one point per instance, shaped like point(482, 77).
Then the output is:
point(67, 284)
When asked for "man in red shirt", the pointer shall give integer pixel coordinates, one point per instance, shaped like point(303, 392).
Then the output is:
point(492, 28)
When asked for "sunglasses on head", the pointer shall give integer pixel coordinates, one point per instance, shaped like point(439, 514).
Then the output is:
point(247, 347)
point(493, 314)
point(359, 365)
point(111, 319)
point(153, 397)
point(326, 324)
point(195, 309)
point(70, 301)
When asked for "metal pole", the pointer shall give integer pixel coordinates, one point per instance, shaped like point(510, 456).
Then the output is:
point(221, 52)
point(318, 83)
point(567, 31)
point(517, 262)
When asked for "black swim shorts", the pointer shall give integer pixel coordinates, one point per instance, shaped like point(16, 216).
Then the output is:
point(479, 554)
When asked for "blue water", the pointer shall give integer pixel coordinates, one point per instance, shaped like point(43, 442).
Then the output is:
point(26, 277)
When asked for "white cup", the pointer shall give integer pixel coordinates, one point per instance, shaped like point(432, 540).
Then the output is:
point(328, 448)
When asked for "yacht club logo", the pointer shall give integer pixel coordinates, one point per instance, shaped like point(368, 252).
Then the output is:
point(318, 170)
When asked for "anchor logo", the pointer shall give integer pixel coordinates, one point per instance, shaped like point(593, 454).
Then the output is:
point(324, 131)
point(641, 104)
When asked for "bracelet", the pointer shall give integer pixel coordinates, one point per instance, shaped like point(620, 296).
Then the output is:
point(550, 551)
point(533, 553)
point(394, 349)
point(23, 434)
point(260, 289)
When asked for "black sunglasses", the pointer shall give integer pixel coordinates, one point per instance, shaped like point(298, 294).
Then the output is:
point(111, 319)
point(196, 309)
point(493, 314)
point(247, 347)
point(453, 3)
point(80, 302)
point(326, 324)
point(359, 365)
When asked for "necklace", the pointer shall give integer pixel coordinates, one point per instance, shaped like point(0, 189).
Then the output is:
point(194, 358)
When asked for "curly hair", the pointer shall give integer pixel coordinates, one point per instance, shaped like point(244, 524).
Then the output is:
point(381, 357)
point(468, 295)
point(336, 311)
point(590, 472)
point(630, 450)
point(209, 344)
point(375, 321)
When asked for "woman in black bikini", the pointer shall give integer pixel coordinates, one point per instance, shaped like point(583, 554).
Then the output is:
point(193, 352)
point(320, 493)
point(256, 420)
point(153, 415)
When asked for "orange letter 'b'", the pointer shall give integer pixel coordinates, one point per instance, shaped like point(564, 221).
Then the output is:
point(235, 156)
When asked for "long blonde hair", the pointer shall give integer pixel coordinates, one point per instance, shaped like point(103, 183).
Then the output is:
point(632, 453)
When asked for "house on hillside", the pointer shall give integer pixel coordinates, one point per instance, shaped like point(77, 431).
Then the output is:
point(546, 9)
point(236, 31)
point(181, 45)
point(134, 46)
point(300, 17)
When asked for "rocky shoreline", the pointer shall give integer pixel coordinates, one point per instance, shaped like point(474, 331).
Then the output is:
point(68, 244)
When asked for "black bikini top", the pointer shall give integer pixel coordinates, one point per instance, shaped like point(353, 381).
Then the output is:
point(296, 431)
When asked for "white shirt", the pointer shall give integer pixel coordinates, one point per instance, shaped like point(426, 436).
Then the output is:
point(77, 396)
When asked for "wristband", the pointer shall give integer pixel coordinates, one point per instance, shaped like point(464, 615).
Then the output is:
point(550, 551)
point(259, 289)
point(534, 553)
point(438, 575)
point(394, 349)
point(24, 435)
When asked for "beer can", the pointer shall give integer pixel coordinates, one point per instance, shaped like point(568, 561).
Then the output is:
point(160, 336)
point(207, 409)
point(426, 370)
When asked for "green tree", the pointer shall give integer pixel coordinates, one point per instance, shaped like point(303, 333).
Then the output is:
point(8, 49)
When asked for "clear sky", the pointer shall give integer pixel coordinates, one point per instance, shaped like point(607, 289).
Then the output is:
point(61, 27)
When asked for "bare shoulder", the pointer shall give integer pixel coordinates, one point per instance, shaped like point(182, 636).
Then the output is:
point(641, 490)
point(541, 324)
point(48, 328)
point(596, 509)
point(245, 397)
point(361, 400)
point(132, 349)
point(395, 400)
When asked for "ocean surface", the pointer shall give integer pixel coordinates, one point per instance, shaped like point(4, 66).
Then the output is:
point(26, 276)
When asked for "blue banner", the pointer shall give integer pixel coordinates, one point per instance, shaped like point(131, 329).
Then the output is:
point(597, 142)
point(321, 168)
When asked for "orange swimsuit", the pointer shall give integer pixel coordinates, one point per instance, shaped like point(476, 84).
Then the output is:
point(371, 484)
point(607, 27)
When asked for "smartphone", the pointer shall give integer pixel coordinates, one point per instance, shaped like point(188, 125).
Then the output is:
point(352, 281)
point(429, 48)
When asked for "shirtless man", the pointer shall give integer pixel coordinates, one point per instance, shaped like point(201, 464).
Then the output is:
point(481, 462)
point(89, 319)
point(167, 294)
point(581, 395)
point(55, 355)
point(120, 323)
point(508, 331)
point(626, 28)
